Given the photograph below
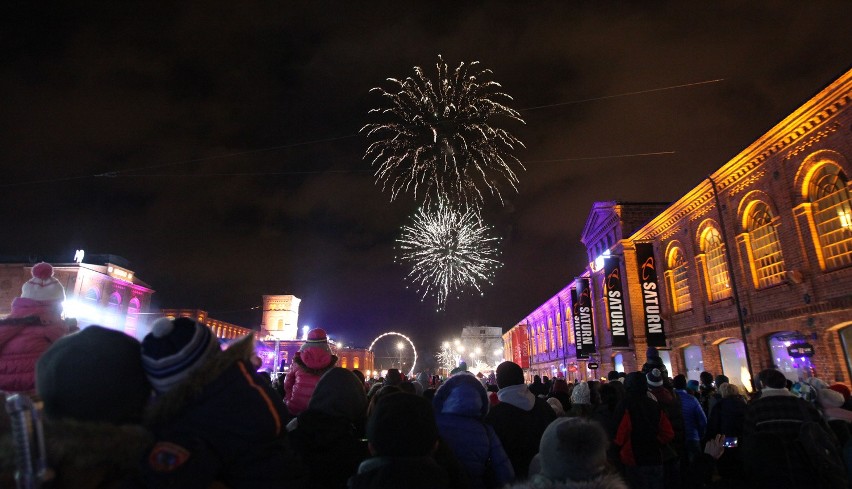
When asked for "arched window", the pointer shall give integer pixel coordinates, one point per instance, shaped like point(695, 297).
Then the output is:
point(551, 333)
point(716, 267)
point(93, 295)
point(676, 275)
point(693, 360)
point(764, 246)
point(343, 362)
point(559, 329)
point(828, 193)
point(569, 326)
point(355, 363)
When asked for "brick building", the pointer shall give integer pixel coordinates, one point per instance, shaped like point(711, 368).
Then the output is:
point(745, 271)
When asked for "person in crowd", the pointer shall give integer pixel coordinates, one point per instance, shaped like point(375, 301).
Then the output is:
point(328, 435)
point(830, 403)
point(460, 407)
point(404, 443)
point(726, 419)
point(769, 423)
point(424, 378)
point(694, 420)
point(94, 392)
point(393, 377)
point(519, 418)
point(594, 392)
point(581, 404)
point(408, 386)
point(537, 387)
point(661, 388)
point(612, 393)
point(572, 455)
point(461, 368)
point(643, 432)
point(612, 376)
point(706, 390)
point(556, 405)
point(361, 377)
point(213, 419)
point(692, 386)
point(845, 392)
point(34, 324)
point(382, 391)
point(313, 359)
point(560, 392)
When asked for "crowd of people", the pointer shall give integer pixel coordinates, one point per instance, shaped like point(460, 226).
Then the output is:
point(177, 410)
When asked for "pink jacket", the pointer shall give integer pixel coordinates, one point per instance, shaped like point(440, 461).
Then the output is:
point(308, 366)
point(27, 333)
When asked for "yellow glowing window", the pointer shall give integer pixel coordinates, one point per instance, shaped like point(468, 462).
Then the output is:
point(551, 333)
point(355, 363)
point(343, 362)
point(832, 208)
point(767, 260)
point(717, 268)
point(561, 329)
point(534, 339)
point(681, 300)
point(569, 327)
point(542, 347)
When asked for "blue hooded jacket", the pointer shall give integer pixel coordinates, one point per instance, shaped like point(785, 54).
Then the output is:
point(461, 404)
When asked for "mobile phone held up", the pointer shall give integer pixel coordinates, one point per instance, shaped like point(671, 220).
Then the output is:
point(730, 442)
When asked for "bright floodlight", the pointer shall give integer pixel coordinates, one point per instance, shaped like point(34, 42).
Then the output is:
point(400, 346)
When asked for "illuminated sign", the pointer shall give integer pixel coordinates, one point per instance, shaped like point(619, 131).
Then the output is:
point(615, 301)
point(654, 332)
point(801, 350)
point(593, 366)
point(583, 313)
point(118, 272)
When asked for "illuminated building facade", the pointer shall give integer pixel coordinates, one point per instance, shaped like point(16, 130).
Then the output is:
point(750, 269)
point(281, 316)
point(220, 329)
point(99, 289)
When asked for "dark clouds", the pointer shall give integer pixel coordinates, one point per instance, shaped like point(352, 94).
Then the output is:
point(156, 93)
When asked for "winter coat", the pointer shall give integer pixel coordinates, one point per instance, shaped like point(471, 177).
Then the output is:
point(86, 454)
point(329, 435)
point(694, 419)
point(606, 481)
point(24, 335)
point(643, 431)
point(222, 424)
point(519, 421)
point(671, 406)
point(460, 405)
point(398, 472)
point(307, 368)
point(726, 418)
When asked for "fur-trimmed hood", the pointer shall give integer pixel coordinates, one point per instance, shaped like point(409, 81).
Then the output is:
point(170, 404)
point(79, 448)
point(606, 481)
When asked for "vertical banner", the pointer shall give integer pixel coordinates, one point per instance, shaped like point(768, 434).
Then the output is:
point(586, 323)
point(654, 332)
point(575, 324)
point(615, 302)
point(520, 355)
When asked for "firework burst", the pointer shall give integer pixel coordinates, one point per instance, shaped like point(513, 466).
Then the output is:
point(448, 251)
point(438, 138)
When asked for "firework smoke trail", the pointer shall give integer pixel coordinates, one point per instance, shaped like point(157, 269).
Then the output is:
point(448, 251)
point(438, 138)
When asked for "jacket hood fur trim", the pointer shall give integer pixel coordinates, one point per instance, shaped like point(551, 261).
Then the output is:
point(170, 404)
point(85, 445)
point(297, 359)
point(607, 481)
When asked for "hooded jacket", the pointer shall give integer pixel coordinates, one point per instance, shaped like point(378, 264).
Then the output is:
point(606, 481)
point(308, 366)
point(461, 404)
point(222, 423)
point(27, 333)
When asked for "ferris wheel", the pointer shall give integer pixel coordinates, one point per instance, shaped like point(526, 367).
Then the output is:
point(406, 338)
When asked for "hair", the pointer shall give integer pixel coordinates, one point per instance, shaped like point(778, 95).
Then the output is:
point(381, 392)
point(772, 378)
point(729, 390)
point(706, 378)
point(612, 395)
point(679, 381)
point(509, 373)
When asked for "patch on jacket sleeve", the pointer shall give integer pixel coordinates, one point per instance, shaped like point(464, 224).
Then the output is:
point(167, 457)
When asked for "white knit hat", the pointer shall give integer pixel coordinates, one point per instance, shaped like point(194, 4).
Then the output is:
point(43, 286)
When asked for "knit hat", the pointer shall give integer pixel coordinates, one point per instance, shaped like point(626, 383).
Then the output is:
point(393, 377)
point(654, 361)
point(175, 348)
point(655, 377)
point(573, 449)
point(402, 425)
point(581, 394)
point(509, 373)
point(842, 389)
point(340, 393)
point(94, 375)
point(636, 382)
point(692, 385)
point(43, 286)
point(316, 338)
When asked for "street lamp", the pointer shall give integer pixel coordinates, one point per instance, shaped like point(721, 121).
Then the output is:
point(400, 346)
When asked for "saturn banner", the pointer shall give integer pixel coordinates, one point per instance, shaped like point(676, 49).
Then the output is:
point(654, 332)
point(615, 302)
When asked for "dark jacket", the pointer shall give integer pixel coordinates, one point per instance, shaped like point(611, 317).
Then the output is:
point(727, 417)
point(220, 424)
point(460, 405)
point(398, 472)
point(520, 428)
point(643, 430)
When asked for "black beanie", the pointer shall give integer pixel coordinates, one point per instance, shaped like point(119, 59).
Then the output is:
point(93, 375)
point(402, 425)
point(509, 373)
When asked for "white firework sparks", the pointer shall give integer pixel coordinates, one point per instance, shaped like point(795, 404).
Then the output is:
point(438, 138)
point(448, 252)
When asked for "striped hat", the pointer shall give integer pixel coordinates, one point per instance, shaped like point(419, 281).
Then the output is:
point(175, 348)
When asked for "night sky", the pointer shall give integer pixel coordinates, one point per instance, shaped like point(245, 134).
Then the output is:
point(226, 136)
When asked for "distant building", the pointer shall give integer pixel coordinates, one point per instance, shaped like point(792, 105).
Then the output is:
point(100, 289)
point(750, 269)
point(220, 329)
point(281, 316)
point(481, 344)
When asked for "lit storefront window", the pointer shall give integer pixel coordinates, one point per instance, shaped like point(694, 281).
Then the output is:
point(734, 365)
point(794, 368)
point(693, 360)
point(678, 285)
point(765, 247)
point(718, 287)
point(618, 362)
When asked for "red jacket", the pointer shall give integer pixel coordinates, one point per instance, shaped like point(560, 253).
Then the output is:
point(623, 437)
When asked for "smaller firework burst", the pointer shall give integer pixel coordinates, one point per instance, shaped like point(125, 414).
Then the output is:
point(449, 252)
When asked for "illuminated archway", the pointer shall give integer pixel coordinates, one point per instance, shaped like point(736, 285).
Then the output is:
point(406, 338)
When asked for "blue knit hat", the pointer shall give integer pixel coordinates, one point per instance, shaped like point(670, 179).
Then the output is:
point(173, 349)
